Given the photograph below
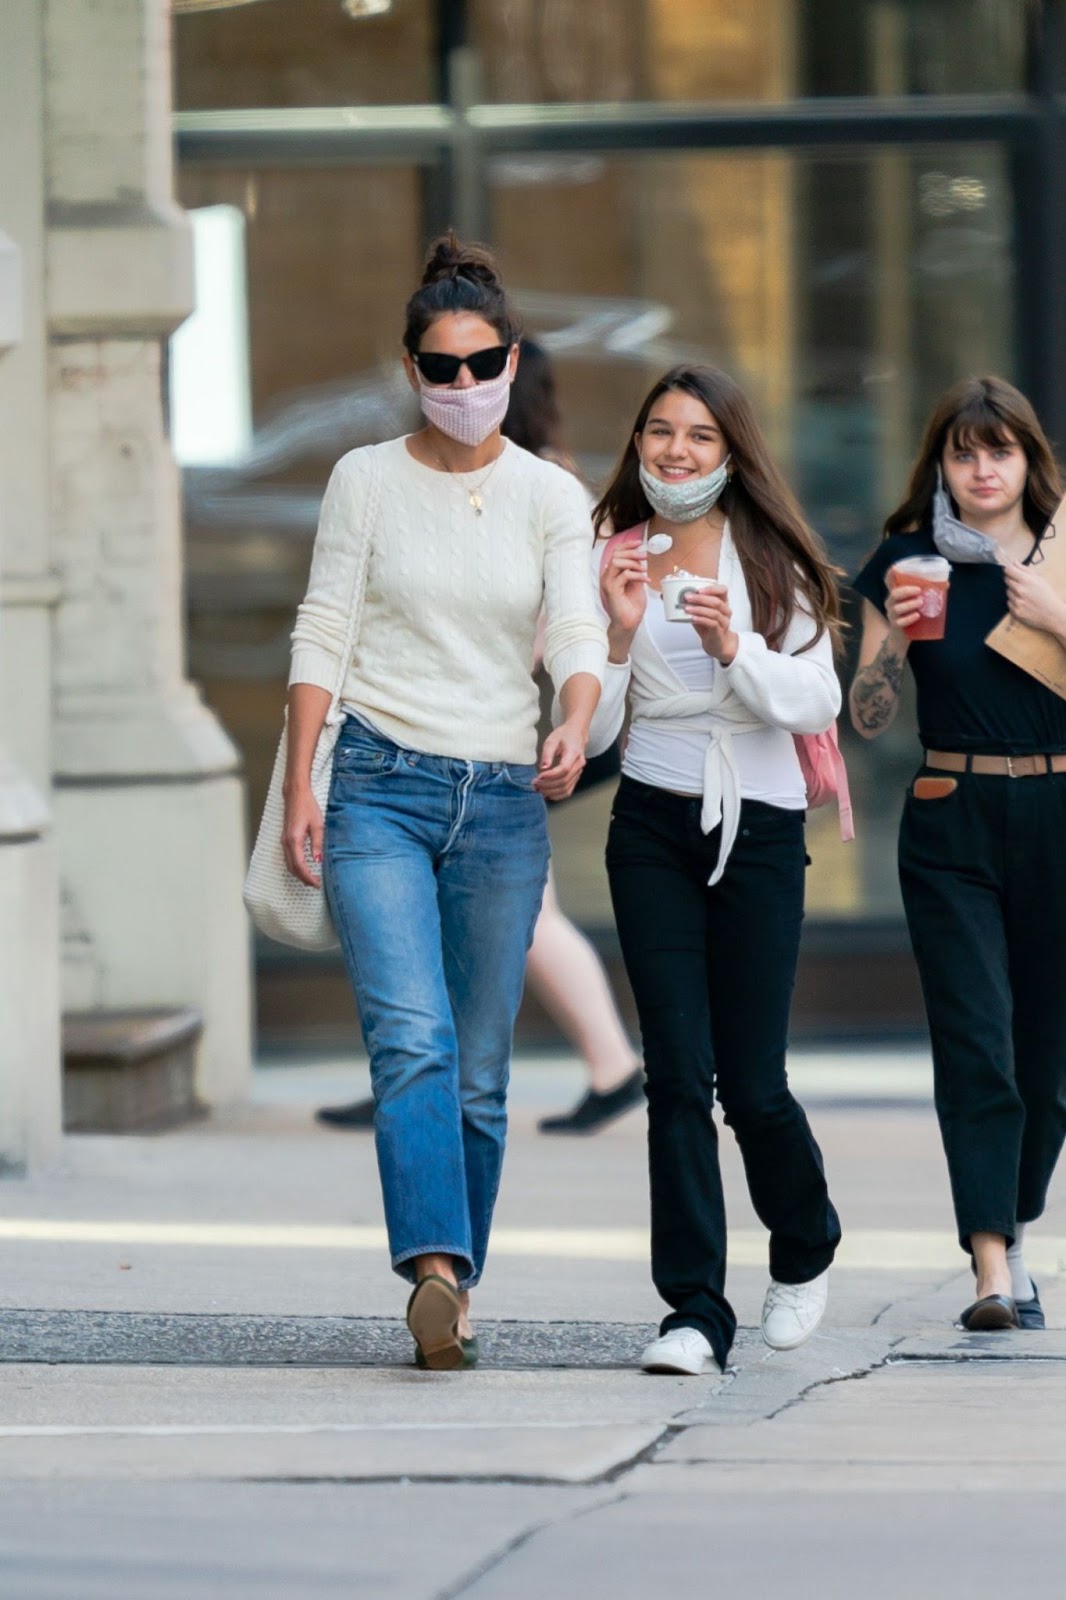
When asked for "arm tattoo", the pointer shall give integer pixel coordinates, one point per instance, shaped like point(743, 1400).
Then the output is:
point(875, 691)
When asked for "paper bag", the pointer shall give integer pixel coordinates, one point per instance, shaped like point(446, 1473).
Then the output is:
point(1037, 652)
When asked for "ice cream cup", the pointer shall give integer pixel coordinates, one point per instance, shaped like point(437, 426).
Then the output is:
point(674, 589)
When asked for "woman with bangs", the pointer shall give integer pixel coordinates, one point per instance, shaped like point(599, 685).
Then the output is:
point(705, 854)
point(981, 858)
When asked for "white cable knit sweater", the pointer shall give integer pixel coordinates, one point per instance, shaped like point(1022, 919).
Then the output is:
point(444, 652)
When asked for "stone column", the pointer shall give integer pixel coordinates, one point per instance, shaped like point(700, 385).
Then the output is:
point(29, 950)
point(148, 797)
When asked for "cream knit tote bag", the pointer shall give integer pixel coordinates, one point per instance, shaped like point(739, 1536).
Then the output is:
point(280, 905)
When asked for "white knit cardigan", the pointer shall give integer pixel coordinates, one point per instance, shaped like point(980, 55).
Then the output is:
point(760, 688)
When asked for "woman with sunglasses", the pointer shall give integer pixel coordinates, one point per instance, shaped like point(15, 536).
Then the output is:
point(705, 853)
point(563, 971)
point(981, 859)
point(434, 847)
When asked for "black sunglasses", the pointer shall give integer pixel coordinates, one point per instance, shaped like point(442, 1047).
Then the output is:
point(482, 364)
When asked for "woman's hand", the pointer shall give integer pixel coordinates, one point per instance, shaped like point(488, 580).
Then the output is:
point(622, 586)
point(903, 606)
point(562, 759)
point(1032, 600)
point(710, 613)
point(303, 827)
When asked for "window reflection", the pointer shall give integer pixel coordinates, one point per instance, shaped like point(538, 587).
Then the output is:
point(304, 53)
point(329, 253)
point(754, 50)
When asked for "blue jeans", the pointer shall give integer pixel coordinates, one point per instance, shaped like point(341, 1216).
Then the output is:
point(434, 869)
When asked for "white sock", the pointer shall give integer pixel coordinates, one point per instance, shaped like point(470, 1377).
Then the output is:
point(1021, 1285)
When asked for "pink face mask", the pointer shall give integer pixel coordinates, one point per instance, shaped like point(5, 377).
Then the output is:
point(467, 415)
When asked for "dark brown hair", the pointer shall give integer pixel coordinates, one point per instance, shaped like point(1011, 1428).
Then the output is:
point(459, 277)
point(532, 419)
point(985, 411)
point(779, 552)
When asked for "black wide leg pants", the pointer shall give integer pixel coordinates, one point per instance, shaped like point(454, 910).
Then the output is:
point(983, 875)
point(712, 971)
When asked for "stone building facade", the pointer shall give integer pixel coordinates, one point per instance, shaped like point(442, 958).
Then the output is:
point(121, 800)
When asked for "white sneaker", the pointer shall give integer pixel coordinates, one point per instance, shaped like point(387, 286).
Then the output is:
point(792, 1311)
point(682, 1350)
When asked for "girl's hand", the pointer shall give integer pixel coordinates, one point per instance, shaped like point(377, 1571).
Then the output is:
point(303, 827)
point(562, 759)
point(711, 616)
point(1032, 600)
point(622, 587)
point(903, 606)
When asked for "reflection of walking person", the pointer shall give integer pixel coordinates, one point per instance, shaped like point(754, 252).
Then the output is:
point(981, 858)
point(705, 853)
point(434, 844)
point(562, 969)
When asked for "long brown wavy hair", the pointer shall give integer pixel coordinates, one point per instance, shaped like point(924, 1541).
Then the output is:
point(981, 411)
point(779, 551)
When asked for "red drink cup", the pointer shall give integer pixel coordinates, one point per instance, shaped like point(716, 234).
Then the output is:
point(930, 574)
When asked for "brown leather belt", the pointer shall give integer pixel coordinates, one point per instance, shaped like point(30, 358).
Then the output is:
point(995, 766)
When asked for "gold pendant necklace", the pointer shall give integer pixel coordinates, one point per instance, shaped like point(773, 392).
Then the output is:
point(473, 493)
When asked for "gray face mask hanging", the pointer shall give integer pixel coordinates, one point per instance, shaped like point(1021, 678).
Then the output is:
point(685, 501)
point(954, 539)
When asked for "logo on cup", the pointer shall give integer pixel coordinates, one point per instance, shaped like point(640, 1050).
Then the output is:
point(932, 602)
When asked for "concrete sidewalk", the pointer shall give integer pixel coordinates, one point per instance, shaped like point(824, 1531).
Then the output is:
point(204, 1375)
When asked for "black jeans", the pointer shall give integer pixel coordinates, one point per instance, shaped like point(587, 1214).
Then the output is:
point(983, 874)
point(712, 972)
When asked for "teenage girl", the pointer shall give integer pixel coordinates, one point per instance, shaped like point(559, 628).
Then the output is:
point(981, 860)
point(705, 853)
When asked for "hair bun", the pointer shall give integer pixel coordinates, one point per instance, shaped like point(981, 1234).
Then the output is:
point(449, 258)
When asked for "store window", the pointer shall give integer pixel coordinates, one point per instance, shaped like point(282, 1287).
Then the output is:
point(328, 255)
point(552, 51)
point(305, 53)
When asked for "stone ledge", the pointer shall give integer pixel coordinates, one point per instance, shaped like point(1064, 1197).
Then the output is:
point(118, 271)
point(132, 1070)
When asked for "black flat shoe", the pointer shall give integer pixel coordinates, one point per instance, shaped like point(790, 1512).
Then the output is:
point(595, 1110)
point(470, 1349)
point(993, 1314)
point(433, 1313)
point(1030, 1312)
point(359, 1114)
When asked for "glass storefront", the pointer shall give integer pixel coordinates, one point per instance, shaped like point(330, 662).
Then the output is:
point(779, 187)
point(297, 53)
point(313, 53)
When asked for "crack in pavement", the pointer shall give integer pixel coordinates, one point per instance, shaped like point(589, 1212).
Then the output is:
point(497, 1558)
point(921, 1292)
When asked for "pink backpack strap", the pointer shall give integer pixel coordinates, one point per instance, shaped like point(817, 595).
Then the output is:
point(847, 820)
point(621, 541)
point(822, 764)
